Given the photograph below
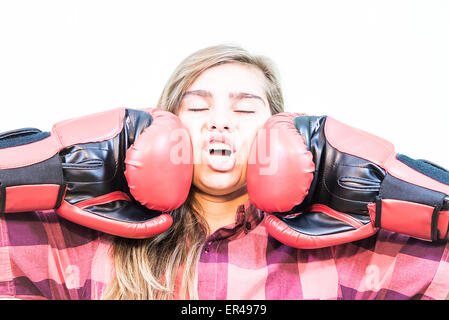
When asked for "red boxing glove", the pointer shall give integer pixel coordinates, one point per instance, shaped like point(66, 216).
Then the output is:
point(326, 183)
point(93, 169)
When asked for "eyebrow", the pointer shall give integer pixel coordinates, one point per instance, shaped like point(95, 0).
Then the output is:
point(232, 95)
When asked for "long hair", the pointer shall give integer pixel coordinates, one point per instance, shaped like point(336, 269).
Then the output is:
point(164, 266)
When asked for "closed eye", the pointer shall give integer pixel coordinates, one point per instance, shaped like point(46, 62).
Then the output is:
point(198, 109)
point(245, 111)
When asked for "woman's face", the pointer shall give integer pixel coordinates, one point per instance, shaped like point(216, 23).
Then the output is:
point(222, 110)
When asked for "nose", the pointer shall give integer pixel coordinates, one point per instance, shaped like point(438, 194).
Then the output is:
point(219, 126)
point(220, 122)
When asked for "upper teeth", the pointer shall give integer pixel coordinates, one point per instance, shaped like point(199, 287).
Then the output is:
point(219, 146)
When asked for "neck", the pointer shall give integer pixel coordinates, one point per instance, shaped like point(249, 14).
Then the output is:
point(220, 210)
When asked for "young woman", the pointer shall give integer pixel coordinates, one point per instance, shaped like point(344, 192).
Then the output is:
point(217, 247)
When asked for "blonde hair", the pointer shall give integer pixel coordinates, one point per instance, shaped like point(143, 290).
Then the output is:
point(149, 268)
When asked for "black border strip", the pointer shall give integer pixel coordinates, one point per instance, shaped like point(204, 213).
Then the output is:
point(2, 198)
point(61, 193)
point(377, 220)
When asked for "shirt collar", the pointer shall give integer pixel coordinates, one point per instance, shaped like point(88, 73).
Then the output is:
point(247, 217)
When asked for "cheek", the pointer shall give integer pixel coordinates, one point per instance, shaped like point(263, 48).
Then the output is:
point(250, 129)
point(249, 133)
point(245, 141)
point(194, 129)
point(195, 137)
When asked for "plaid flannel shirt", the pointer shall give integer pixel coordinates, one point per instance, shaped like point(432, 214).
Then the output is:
point(43, 256)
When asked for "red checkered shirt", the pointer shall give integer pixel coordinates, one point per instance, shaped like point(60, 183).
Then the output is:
point(43, 256)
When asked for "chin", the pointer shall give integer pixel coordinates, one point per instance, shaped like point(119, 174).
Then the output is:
point(220, 183)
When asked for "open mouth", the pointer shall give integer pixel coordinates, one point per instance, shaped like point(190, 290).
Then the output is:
point(220, 156)
point(219, 149)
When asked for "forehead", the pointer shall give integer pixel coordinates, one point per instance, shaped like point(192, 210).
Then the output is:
point(231, 77)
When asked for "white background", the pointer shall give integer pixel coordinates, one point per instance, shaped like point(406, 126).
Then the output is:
point(382, 66)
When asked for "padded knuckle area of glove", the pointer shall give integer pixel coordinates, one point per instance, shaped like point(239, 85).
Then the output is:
point(157, 177)
point(281, 166)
